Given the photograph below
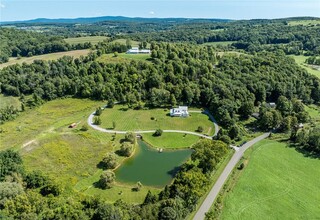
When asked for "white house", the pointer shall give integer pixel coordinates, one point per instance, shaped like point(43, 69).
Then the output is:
point(181, 111)
point(136, 50)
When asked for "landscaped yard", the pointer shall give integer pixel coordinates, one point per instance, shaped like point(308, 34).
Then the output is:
point(50, 56)
point(171, 140)
point(92, 39)
point(134, 120)
point(277, 183)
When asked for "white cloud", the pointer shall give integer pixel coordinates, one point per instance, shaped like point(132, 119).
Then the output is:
point(151, 12)
point(2, 5)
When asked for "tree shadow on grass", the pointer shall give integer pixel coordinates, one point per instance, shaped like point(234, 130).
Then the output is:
point(305, 152)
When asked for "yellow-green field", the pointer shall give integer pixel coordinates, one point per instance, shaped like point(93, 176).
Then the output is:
point(71, 156)
point(50, 56)
point(134, 120)
point(8, 101)
point(304, 22)
point(92, 39)
point(123, 41)
point(277, 183)
point(122, 57)
point(301, 61)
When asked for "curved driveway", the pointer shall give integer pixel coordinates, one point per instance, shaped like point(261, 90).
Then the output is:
point(96, 127)
point(205, 206)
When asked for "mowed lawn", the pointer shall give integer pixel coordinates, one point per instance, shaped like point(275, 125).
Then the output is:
point(135, 120)
point(277, 183)
point(49, 56)
point(92, 39)
point(171, 140)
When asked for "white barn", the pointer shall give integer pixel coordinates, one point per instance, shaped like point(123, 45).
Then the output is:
point(181, 111)
point(136, 50)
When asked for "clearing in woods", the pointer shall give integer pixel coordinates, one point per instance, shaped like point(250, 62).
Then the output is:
point(49, 56)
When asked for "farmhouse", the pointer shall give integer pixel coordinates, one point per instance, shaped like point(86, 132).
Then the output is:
point(136, 50)
point(181, 111)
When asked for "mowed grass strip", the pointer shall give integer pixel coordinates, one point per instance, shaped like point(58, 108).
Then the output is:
point(92, 39)
point(50, 56)
point(137, 120)
point(277, 183)
point(171, 140)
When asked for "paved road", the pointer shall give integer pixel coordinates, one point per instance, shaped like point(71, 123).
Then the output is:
point(96, 127)
point(223, 177)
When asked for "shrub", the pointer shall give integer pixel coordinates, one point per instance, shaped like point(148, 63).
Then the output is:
point(200, 129)
point(152, 118)
point(98, 111)
point(97, 120)
point(109, 161)
point(106, 179)
point(84, 127)
point(158, 133)
point(126, 149)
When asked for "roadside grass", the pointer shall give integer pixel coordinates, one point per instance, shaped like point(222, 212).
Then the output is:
point(134, 120)
point(50, 56)
point(92, 39)
point(122, 57)
point(214, 177)
point(301, 61)
point(171, 140)
point(8, 101)
point(304, 22)
point(277, 182)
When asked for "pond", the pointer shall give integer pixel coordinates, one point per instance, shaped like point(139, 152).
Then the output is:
point(151, 167)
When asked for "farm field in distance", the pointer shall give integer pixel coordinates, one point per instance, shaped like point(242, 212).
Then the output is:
point(49, 56)
point(122, 57)
point(92, 39)
point(301, 61)
point(134, 120)
point(277, 182)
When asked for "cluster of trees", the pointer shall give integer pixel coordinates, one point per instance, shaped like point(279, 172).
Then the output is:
point(308, 139)
point(16, 43)
point(314, 60)
point(285, 116)
point(227, 84)
point(8, 113)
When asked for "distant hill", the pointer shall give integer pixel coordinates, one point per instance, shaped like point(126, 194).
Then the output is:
point(110, 18)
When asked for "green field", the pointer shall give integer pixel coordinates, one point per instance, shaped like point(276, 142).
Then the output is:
point(92, 39)
point(133, 120)
point(304, 22)
point(171, 140)
point(50, 56)
point(277, 183)
point(301, 61)
point(123, 41)
point(8, 101)
point(122, 57)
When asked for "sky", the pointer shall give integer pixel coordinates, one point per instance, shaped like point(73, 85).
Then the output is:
point(13, 10)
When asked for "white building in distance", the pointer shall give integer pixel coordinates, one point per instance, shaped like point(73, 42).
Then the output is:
point(136, 50)
point(181, 111)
